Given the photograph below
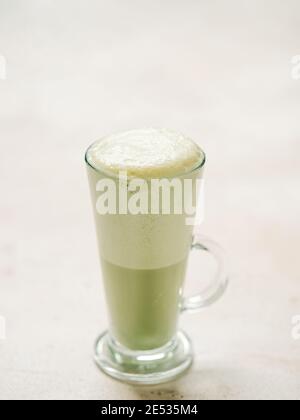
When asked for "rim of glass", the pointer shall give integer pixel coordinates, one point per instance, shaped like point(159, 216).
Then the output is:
point(199, 165)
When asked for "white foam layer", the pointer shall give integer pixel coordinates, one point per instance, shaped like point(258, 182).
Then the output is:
point(149, 153)
point(143, 241)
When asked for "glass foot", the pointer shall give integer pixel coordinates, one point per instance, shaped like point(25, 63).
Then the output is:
point(144, 367)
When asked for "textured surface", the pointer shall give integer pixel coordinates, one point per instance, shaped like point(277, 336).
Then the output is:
point(219, 72)
point(146, 153)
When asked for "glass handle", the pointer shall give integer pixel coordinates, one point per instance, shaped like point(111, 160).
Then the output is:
point(219, 283)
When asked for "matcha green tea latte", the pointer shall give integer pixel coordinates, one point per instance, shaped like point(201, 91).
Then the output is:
point(145, 235)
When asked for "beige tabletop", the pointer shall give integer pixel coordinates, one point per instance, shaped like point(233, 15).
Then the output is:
point(219, 71)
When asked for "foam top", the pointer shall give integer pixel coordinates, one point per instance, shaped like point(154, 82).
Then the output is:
point(149, 153)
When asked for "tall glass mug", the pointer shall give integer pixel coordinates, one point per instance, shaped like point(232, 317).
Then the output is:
point(145, 231)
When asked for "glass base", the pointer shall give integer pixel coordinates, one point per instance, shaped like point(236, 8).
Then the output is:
point(144, 367)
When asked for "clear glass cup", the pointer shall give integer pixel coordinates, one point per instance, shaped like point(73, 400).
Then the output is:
point(144, 258)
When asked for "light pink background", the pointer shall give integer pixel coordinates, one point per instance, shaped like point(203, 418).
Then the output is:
point(220, 71)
